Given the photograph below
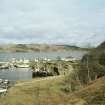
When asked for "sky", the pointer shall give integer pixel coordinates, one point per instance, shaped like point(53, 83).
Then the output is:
point(74, 22)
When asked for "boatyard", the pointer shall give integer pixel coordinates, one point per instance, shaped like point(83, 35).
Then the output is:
point(27, 69)
point(25, 63)
point(23, 69)
point(25, 66)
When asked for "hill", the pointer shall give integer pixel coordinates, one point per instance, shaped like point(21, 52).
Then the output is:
point(92, 64)
point(92, 94)
point(102, 46)
point(37, 48)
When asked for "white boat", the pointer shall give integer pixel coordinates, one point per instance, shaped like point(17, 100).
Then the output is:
point(68, 59)
point(1, 80)
point(4, 67)
point(6, 81)
point(3, 90)
point(22, 66)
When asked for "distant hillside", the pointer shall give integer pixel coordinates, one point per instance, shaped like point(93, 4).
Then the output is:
point(36, 48)
point(102, 46)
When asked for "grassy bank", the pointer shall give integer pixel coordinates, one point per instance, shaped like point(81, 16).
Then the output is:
point(35, 92)
point(48, 91)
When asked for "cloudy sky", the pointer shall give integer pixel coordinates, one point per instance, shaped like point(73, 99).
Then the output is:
point(80, 22)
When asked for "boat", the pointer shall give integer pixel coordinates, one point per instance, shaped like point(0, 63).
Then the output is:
point(21, 66)
point(2, 90)
point(4, 67)
point(6, 81)
point(69, 58)
point(1, 80)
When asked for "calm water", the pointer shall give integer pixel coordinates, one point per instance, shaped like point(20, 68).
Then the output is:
point(51, 55)
point(25, 73)
point(16, 74)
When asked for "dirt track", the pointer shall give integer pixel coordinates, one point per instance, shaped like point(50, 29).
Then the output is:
point(38, 80)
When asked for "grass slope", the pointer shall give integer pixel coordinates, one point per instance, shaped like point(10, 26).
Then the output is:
point(35, 92)
point(48, 92)
point(93, 94)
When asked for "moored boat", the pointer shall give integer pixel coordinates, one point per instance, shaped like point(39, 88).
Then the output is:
point(21, 66)
point(4, 67)
point(2, 90)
